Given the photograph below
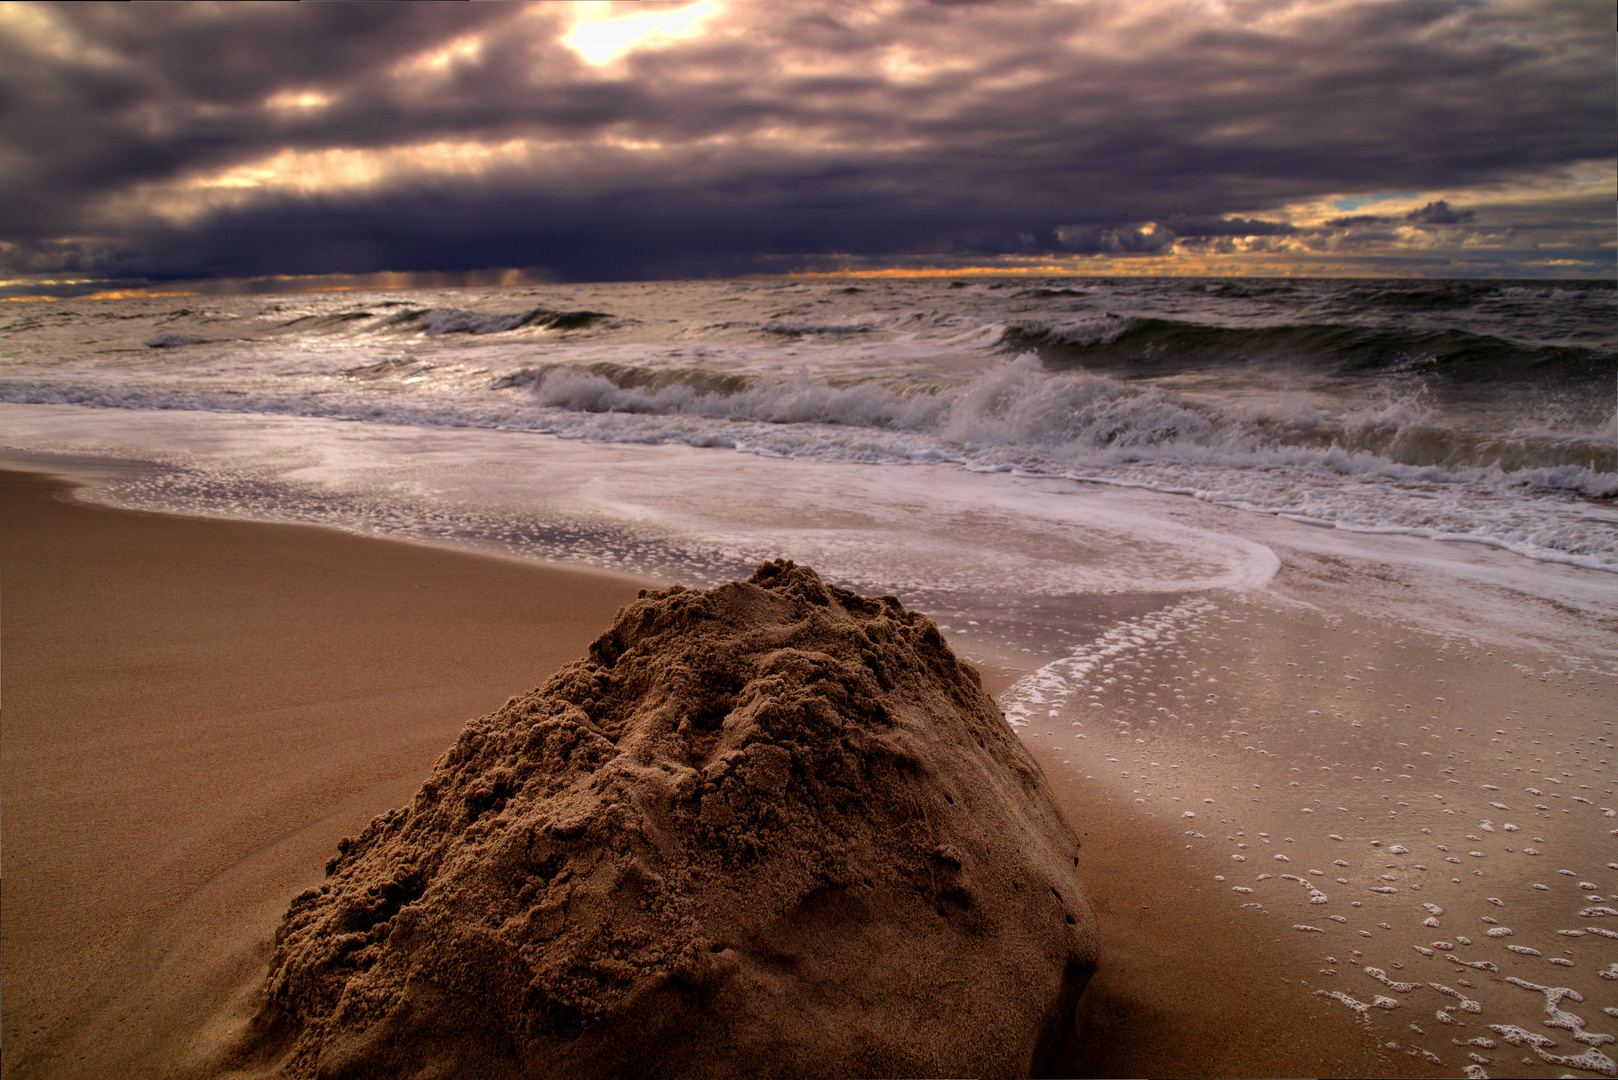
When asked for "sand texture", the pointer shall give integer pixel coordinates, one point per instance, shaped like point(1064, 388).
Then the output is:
point(770, 828)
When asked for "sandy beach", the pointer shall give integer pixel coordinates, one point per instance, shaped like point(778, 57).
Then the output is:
point(197, 710)
point(566, 540)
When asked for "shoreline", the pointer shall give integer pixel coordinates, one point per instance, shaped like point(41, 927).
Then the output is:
point(168, 791)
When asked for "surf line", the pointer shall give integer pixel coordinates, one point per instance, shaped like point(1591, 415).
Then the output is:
point(1046, 692)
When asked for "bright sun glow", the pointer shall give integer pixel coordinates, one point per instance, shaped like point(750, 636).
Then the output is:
point(600, 40)
point(297, 101)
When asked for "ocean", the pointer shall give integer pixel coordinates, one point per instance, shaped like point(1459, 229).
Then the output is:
point(1319, 572)
point(1455, 410)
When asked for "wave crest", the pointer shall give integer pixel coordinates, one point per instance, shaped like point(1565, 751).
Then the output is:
point(602, 388)
point(437, 321)
point(1151, 346)
point(1021, 411)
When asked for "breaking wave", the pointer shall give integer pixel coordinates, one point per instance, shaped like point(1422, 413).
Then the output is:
point(1071, 416)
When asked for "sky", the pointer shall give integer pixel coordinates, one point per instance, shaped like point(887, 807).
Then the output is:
point(421, 143)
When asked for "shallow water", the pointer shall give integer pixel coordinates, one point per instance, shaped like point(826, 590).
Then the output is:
point(1431, 813)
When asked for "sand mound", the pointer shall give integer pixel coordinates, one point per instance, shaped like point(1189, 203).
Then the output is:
point(771, 828)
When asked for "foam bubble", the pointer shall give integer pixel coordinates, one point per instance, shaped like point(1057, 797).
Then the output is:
point(1480, 965)
point(1362, 1008)
point(1466, 1003)
point(1382, 977)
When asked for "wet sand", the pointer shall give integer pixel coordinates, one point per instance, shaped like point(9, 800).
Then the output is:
point(196, 710)
point(1417, 820)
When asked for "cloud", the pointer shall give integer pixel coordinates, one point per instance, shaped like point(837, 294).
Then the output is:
point(1354, 220)
point(1439, 213)
point(200, 140)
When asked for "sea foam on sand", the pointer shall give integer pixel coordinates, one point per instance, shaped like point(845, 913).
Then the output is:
point(772, 828)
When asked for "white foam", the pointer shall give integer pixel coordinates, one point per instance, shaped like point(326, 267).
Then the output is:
point(1480, 965)
point(1466, 1003)
point(1382, 977)
point(986, 529)
point(1362, 1008)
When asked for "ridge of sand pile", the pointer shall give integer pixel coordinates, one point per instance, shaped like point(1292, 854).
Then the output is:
point(771, 828)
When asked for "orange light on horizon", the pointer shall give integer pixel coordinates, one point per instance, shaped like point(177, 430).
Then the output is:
point(379, 281)
point(111, 294)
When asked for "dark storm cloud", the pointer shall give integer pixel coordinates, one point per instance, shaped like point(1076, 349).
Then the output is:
point(1353, 220)
point(777, 134)
point(1439, 213)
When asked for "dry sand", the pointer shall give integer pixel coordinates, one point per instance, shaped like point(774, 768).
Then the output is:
point(196, 711)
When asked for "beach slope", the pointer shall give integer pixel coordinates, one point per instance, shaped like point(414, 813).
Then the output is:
point(196, 711)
